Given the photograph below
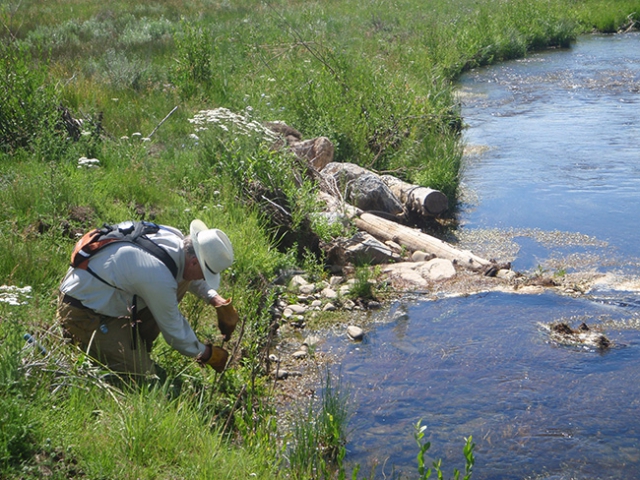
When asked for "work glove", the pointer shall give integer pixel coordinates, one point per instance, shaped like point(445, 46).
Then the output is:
point(217, 360)
point(227, 319)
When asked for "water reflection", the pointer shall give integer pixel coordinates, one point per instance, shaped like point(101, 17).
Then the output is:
point(556, 140)
point(482, 366)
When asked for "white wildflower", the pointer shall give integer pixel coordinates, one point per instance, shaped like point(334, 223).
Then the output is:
point(88, 162)
point(14, 295)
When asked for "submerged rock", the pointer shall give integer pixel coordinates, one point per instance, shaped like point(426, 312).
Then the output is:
point(563, 334)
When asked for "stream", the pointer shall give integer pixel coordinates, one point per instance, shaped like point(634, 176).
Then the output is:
point(551, 182)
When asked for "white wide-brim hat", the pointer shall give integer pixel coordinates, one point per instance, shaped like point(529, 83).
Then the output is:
point(213, 249)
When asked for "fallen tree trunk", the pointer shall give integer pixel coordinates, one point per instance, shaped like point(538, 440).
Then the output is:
point(410, 238)
point(416, 240)
point(422, 200)
point(389, 196)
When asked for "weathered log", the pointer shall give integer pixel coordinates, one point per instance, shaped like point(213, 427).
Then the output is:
point(416, 240)
point(410, 238)
point(422, 200)
point(364, 188)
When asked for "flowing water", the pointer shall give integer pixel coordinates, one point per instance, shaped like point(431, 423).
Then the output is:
point(551, 181)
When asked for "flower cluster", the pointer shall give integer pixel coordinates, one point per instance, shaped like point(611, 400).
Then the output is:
point(14, 295)
point(226, 119)
point(88, 162)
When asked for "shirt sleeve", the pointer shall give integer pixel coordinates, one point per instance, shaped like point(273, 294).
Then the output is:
point(142, 274)
point(201, 289)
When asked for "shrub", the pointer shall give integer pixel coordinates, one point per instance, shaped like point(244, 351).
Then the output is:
point(28, 104)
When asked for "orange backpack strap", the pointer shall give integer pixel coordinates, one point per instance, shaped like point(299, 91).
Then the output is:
point(84, 248)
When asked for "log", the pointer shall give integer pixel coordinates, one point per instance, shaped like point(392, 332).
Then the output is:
point(422, 200)
point(410, 238)
point(415, 240)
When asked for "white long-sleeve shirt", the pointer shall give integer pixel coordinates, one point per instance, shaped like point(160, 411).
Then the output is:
point(133, 271)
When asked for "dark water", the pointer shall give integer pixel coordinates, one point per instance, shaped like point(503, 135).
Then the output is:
point(561, 132)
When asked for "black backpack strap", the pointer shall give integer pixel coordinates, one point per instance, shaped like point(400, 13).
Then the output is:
point(136, 233)
point(157, 251)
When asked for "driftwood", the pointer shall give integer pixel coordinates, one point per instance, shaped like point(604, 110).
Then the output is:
point(412, 239)
point(363, 188)
point(422, 200)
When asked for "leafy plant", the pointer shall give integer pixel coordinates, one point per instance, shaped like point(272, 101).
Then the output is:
point(364, 285)
point(423, 447)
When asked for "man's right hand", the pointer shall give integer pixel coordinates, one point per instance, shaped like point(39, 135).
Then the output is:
point(215, 357)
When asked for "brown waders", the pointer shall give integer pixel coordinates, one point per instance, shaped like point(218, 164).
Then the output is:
point(113, 341)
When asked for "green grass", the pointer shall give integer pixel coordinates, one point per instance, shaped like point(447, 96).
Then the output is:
point(376, 78)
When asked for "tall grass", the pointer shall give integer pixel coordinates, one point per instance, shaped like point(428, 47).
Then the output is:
point(377, 78)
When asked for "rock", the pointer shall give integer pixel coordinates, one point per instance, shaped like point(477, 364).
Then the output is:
point(373, 305)
point(300, 354)
point(506, 274)
point(287, 313)
point(285, 131)
point(348, 305)
point(296, 282)
point(419, 256)
point(298, 309)
point(329, 293)
point(311, 341)
point(329, 307)
point(356, 333)
point(284, 374)
point(335, 280)
point(407, 272)
point(318, 151)
point(361, 248)
point(583, 335)
point(369, 193)
point(363, 188)
point(316, 304)
point(437, 269)
point(345, 289)
point(307, 289)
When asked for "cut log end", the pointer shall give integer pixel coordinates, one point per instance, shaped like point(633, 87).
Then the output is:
point(436, 203)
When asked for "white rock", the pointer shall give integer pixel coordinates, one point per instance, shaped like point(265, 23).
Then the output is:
point(329, 307)
point(316, 303)
point(414, 278)
point(348, 305)
point(354, 332)
point(307, 289)
point(329, 293)
point(506, 274)
point(400, 268)
point(335, 280)
point(287, 312)
point(297, 281)
point(310, 341)
point(420, 256)
point(299, 354)
point(297, 308)
point(437, 269)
